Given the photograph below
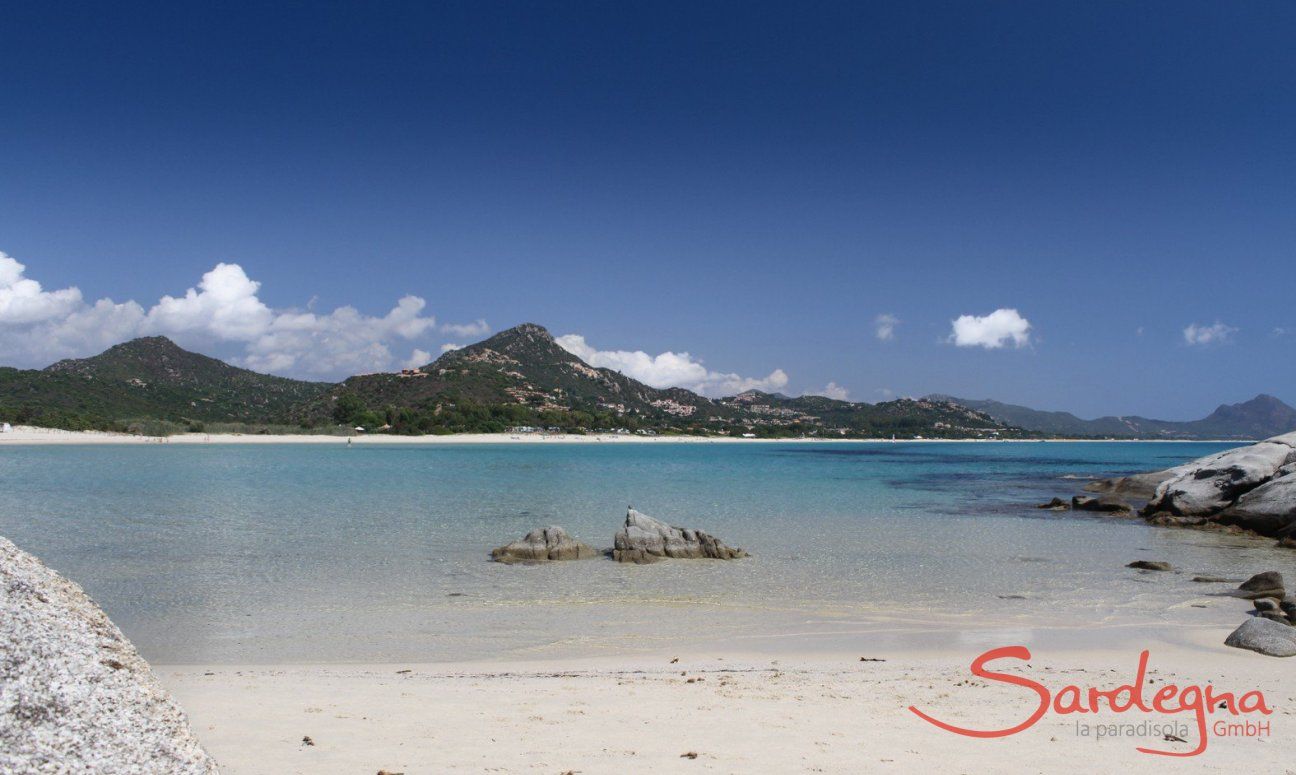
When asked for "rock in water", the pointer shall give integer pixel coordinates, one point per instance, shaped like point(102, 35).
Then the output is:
point(75, 695)
point(1137, 487)
point(1090, 503)
point(1265, 636)
point(1267, 584)
point(1211, 484)
point(644, 539)
point(1150, 565)
point(544, 545)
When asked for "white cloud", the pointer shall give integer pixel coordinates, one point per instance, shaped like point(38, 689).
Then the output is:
point(474, 330)
point(671, 369)
point(1216, 333)
point(448, 346)
point(993, 331)
point(832, 390)
point(23, 301)
point(224, 305)
point(885, 326)
point(1279, 331)
point(38, 327)
point(418, 358)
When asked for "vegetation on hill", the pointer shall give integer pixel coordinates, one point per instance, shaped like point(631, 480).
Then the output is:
point(147, 379)
point(520, 380)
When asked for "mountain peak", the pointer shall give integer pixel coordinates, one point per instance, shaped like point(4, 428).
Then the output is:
point(521, 331)
point(527, 342)
point(146, 344)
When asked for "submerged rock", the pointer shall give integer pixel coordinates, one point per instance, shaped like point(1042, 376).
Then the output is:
point(643, 539)
point(75, 695)
point(1150, 565)
point(1264, 636)
point(544, 545)
point(1135, 487)
point(1057, 504)
point(1090, 503)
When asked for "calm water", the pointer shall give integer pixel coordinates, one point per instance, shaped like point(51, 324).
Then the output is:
point(310, 553)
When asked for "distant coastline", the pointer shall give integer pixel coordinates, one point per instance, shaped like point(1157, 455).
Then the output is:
point(30, 435)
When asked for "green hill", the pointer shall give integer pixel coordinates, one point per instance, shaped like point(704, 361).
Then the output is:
point(517, 378)
point(149, 378)
point(522, 377)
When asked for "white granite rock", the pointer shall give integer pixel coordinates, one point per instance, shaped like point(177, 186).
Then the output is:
point(1265, 636)
point(1269, 509)
point(643, 539)
point(75, 695)
point(1207, 486)
point(544, 545)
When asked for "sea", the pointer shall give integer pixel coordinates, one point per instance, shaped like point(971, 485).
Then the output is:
point(306, 553)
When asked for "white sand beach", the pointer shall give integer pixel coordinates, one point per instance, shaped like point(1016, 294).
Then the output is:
point(715, 713)
point(26, 434)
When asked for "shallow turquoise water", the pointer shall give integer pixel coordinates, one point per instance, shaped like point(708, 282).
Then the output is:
point(324, 553)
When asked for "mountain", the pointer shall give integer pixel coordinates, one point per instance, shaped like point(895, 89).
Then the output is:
point(522, 376)
point(1259, 418)
point(148, 378)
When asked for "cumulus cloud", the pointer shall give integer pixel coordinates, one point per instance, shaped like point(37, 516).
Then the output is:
point(885, 326)
point(474, 330)
point(224, 309)
point(1216, 333)
point(832, 390)
point(448, 346)
point(224, 305)
point(994, 331)
point(671, 369)
point(23, 301)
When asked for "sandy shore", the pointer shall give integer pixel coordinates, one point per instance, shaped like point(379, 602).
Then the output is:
point(837, 715)
point(28, 435)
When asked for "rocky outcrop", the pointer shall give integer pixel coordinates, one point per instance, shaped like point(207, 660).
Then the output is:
point(1211, 484)
point(1264, 636)
point(1269, 509)
point(643, 539)
point(75, 695)
point(544, 545)
point(1249, 489)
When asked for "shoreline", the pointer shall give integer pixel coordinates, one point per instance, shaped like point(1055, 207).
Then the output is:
point(33, 436)
point(716, 711)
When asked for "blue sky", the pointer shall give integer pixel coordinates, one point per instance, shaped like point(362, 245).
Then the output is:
point(753, 185)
